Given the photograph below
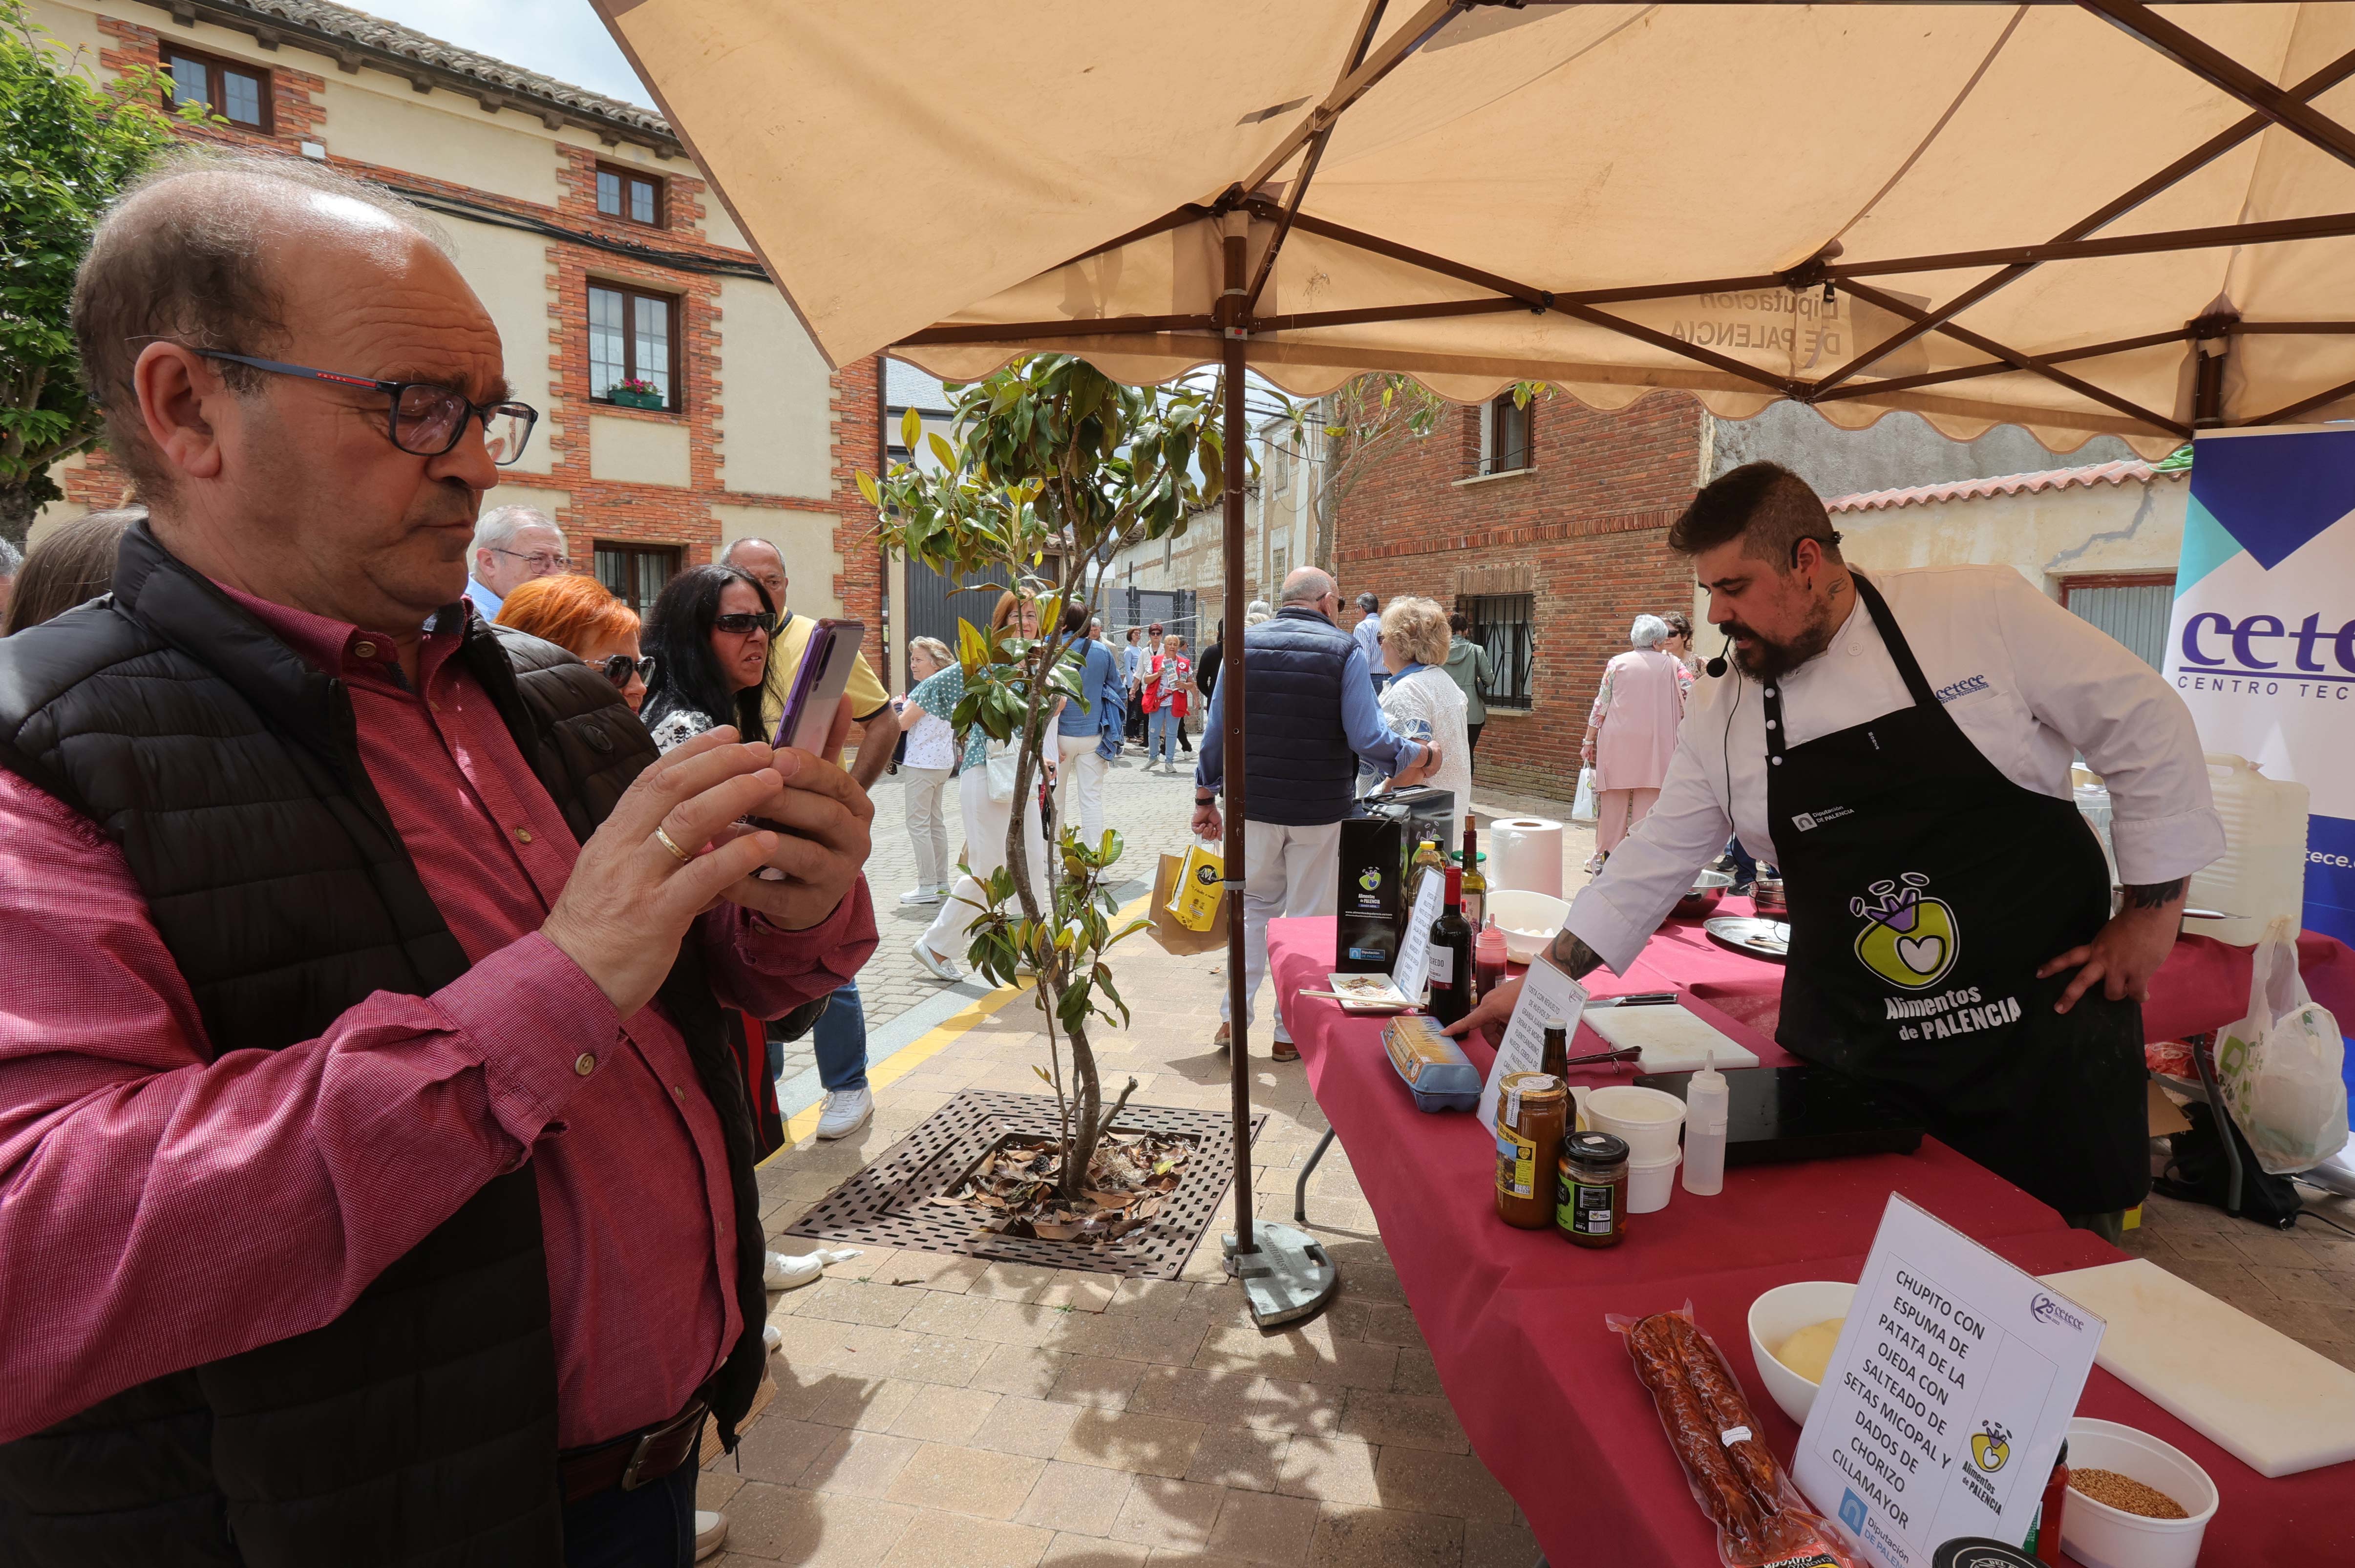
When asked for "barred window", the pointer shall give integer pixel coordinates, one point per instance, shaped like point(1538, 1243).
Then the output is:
point(1505, 624)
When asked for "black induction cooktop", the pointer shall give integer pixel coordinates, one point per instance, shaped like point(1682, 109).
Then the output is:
point(1777, 1115)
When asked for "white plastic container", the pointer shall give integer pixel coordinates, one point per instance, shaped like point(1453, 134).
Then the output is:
point(2100, 1536)
point(1708, 1099)
point(1529, 920)
point(1778, 1314)
point(1647, 1120)
point(2262, 875)
point(1649, 1183)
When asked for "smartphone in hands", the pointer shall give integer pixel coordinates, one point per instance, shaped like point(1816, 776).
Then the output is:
point(815, 697)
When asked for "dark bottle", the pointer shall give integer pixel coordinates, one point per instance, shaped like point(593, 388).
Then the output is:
point(1556, 1057)
point(1451, 955)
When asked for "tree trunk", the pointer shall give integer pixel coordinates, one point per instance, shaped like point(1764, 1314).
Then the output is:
point(18, 506)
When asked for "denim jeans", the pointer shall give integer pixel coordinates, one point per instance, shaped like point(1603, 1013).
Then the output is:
point(652, 1527)
point(839, 1040)
point(1166, 728)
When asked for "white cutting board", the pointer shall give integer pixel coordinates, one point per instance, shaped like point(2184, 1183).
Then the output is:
point(2255, 1392)
point(1673, 1040)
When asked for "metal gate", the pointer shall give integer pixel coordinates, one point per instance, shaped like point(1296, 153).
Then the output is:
point(935, 604)
point(1175, 608)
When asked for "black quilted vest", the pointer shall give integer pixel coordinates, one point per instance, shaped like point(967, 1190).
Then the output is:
point(419, 1428)
point(1298, 768)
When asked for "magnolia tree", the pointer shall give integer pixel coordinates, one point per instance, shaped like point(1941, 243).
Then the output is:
point(1052, 467)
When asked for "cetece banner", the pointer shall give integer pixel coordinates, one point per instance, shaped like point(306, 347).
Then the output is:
point(2261, 642)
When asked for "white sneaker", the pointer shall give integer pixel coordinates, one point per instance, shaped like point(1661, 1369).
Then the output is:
point(710, 1532)
point(921, 896)
point(846, 1111)
point(940, 969)
point(773, 1338)
point(783, 1273)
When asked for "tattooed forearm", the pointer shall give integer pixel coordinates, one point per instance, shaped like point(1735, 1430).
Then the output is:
point(1571, 956)
point(2154, 895)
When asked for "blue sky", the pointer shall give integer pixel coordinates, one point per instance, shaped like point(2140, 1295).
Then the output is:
point(562, 39)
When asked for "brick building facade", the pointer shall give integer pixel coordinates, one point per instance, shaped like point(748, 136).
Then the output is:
point(1556, 540)
point(757, 437)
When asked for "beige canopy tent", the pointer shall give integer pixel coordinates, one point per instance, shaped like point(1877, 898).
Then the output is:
point(2041, 213)
point(2083, 217)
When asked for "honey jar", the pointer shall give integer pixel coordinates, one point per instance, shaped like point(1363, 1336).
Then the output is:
point(1532, 1111)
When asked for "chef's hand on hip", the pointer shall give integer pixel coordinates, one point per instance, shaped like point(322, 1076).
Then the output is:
point(1494, 1011)
point(631, 898)
point(2122, 955)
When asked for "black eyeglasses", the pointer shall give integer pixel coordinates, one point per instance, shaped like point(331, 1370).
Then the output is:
point(744, 622)
point(619, 668)
point(423, 420)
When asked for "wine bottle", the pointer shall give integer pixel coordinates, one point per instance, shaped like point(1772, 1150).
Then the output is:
point(1476, 886)
point(1451, 955)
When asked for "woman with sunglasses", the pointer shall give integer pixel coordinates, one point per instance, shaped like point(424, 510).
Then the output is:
point(709, 636)
point(580, 616)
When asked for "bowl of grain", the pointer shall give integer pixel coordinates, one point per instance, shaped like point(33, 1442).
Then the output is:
point(2132, 1501)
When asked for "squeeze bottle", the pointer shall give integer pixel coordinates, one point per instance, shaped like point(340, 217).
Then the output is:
point(1706, 1100)
point(1488, 957)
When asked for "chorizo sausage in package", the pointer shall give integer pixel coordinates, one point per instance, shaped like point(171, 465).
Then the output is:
point(1762, 1521)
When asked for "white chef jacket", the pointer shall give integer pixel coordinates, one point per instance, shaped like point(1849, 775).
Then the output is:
point(2029, 683)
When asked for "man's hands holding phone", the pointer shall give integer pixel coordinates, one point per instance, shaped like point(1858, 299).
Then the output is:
point(631, 896)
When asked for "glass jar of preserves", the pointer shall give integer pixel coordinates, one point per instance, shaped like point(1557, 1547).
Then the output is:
point(1591, 1197)
point(1532, 1112)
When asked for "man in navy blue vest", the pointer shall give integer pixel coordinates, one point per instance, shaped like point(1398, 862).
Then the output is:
point(1311, 718)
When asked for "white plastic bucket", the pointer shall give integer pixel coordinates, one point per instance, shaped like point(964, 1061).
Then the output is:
point(1649, 1182)
point(2100, 1536)
point(1647, 1120)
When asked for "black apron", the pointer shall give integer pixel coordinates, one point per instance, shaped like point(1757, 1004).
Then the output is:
point(1926, 888)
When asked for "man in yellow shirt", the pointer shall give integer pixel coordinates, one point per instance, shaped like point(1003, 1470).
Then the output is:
point(839, 1038)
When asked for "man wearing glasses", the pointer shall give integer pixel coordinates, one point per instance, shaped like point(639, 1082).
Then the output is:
point(380, 1181)
point(513, 546)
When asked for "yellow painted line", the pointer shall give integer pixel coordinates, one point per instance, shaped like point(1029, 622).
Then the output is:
point(930, 1043)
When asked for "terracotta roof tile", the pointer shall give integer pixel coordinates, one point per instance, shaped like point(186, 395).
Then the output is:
point(2116, 472)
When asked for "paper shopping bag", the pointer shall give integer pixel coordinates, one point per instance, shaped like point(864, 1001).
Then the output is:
point(1169, 930)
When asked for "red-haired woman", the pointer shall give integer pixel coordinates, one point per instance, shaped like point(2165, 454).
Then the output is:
point(580, 616)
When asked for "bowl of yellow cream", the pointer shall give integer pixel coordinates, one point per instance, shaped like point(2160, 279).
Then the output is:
point(1793, 1328)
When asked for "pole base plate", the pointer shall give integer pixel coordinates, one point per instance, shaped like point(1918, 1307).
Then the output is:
point(1286, 1277)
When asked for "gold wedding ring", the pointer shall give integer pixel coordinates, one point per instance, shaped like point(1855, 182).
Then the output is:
point(672, 845)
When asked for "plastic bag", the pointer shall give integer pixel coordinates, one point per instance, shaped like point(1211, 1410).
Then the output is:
point(1759, 1516)
point(2280, 1066)
point(1202, 884)
point(1583, 808)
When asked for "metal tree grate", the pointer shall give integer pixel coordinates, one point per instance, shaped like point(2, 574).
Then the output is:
point(888, 1204)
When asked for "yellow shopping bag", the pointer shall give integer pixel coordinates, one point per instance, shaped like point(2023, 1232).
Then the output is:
point(1200, 885)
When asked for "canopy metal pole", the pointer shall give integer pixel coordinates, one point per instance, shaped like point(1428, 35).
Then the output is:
point(1232, 677)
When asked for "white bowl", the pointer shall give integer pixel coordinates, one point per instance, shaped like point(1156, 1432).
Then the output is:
point(1646, 1120)
point(2100, 1536)
point(1528, 919)
point(1777, 1314)
point(1649, 1182)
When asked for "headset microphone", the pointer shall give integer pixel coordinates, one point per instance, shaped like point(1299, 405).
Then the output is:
point(1716, 666)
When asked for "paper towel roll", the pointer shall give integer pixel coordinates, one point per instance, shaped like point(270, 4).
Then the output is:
point(1525, 852)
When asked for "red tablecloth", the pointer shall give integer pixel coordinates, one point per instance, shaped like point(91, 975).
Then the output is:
point(1514, 1318)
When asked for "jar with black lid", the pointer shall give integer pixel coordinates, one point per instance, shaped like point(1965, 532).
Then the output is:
point(1590, 1198)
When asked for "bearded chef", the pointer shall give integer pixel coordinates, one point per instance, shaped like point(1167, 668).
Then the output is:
point(1900, 746)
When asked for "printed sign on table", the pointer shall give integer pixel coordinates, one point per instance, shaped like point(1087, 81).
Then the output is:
point(1546, 993)
point(1412, 970)
point(1947, 1400)
point(2262, 642)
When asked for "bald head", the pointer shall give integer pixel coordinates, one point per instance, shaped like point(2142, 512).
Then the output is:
point(761, 561)
point(1307, 585)
point(195, 253)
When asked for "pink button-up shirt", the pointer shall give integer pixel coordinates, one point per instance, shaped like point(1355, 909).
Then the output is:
point(167, 1199)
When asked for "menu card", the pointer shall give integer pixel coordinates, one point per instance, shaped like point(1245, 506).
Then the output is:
point(1546, 994)
point(1947, 1400)
point(1414, 965)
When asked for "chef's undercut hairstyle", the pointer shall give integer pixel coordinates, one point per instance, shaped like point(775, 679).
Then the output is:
point(496, 529)
point(183, 255)
point(1765, 506)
